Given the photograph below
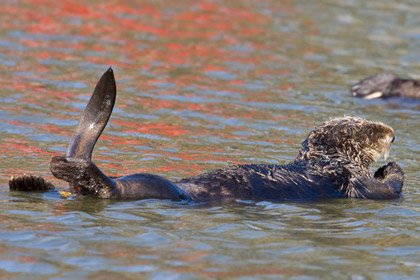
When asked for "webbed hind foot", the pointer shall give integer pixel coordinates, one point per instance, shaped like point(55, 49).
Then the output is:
point(29, 183)
point(71, 170)
point(83, 175)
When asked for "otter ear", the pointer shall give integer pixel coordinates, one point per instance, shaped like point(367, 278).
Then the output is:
point(94, 118)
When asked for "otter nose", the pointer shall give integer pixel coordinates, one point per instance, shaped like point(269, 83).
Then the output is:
point(393, 138)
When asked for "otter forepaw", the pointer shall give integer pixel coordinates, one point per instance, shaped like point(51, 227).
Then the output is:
point(392, 175)
point(385, 171)
point(29, 183)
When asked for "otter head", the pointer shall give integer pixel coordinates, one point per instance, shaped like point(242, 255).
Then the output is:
point(378, 86)
point(348, 140)
point(386, 85)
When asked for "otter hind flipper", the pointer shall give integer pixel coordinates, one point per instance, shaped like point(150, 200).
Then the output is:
point(29, 183)
point(83, 175)
point(94, 118)
point(76, 167)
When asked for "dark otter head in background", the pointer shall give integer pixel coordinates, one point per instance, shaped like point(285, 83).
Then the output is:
point(386, 85)
point(348, 140)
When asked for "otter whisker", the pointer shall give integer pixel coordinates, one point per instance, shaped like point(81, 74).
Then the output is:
point(386, 154)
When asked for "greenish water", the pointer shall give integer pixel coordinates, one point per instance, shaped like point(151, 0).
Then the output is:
point(201, 85)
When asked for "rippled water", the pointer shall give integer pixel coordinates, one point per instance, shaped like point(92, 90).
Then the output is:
point(202, 84)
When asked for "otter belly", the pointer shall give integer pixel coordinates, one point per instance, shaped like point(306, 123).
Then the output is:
point(259, 182)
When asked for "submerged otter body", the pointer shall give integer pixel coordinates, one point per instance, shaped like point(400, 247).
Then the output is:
point(333, 162)
point(386, 85)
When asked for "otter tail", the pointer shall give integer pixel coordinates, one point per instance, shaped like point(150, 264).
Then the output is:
point(94, 118)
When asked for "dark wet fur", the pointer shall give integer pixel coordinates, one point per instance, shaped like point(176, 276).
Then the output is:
point(389, 85)
point(333, 162)
point(292, 182)
point(29, 183)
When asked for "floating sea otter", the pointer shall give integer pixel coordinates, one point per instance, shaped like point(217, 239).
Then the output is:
point(333, 162)
point(386, 85)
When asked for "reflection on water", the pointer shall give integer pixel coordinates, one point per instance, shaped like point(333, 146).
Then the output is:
point(201, 85)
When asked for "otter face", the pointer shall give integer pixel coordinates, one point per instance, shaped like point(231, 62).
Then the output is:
point(349, 140)
point(380, 137)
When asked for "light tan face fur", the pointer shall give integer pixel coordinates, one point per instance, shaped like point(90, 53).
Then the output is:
point(376, 139)
point(383, 149)
point(358, 140)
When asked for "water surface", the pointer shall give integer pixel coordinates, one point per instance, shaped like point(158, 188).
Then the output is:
point(201, 85)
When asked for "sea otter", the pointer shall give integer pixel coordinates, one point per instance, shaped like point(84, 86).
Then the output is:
point(386, 85)
point(332, 163)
